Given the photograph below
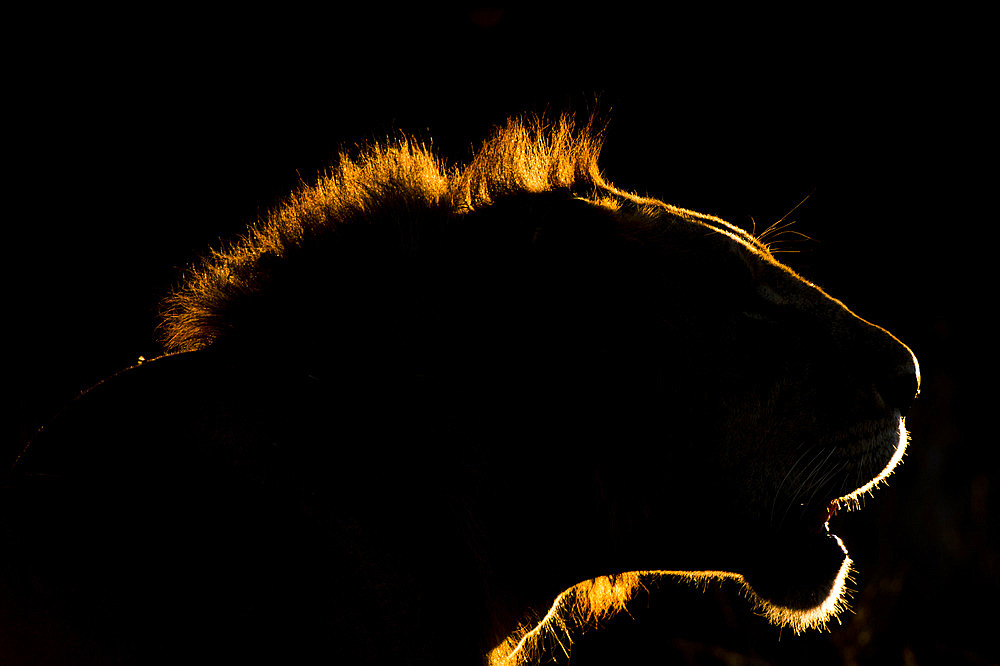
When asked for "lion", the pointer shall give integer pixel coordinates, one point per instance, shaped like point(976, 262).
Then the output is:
point(439, 414)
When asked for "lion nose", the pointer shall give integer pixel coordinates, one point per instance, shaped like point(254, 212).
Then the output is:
point(899, 387)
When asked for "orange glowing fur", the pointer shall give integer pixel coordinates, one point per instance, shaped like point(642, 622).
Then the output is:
point(592, 602)
point(403, 186)
point(407, 193)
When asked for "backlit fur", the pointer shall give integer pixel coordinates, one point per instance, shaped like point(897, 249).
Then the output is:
point(408, 197)
point(402, 187)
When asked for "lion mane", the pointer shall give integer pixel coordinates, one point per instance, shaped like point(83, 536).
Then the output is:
point(398, 196)
point(531, 341)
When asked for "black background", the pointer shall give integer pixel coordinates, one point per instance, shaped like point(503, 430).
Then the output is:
point(139, 139)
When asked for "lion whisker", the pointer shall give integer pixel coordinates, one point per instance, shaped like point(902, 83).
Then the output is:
point(774, 228)
point(825, 479)
point(805, 484)
point(777, 492)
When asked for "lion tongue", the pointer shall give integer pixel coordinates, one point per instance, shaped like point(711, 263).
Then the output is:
point(822, 517)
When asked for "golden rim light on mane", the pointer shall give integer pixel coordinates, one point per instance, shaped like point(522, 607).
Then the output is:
point(400, 185)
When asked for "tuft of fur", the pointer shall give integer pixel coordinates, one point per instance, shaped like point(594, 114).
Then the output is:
point(591, 603)
point(382, 201)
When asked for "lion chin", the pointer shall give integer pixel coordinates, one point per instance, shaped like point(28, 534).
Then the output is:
point(800, 581)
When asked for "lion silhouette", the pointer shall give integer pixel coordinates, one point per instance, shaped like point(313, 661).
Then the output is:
point(453, 414)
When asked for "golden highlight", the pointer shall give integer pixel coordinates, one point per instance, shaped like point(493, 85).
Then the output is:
point(589, 604)
point(855, 499)
point(400, 188)
point(403, 194)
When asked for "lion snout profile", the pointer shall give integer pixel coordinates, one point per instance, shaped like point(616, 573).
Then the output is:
point(431, 414)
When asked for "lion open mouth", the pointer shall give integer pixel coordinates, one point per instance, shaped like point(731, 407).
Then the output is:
point(821, 519)
point(799, 575)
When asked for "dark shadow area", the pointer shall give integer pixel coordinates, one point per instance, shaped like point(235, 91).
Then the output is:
point(136, 149)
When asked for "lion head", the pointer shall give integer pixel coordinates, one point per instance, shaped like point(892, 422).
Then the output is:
point(428, 404)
